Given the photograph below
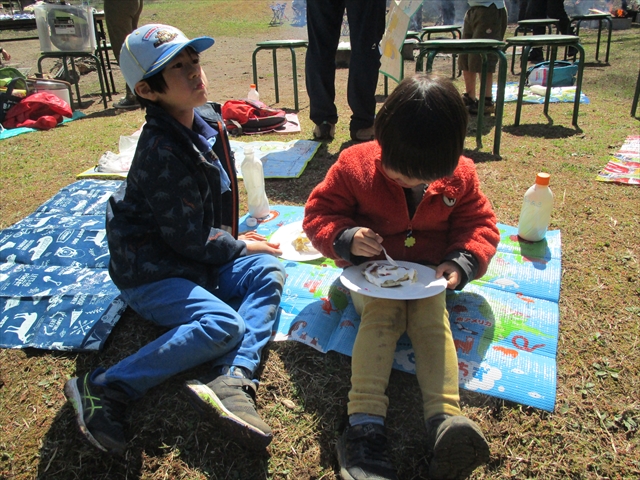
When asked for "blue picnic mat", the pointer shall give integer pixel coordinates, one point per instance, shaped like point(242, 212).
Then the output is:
point(55, 289)
point(55, 293)
point(505, 325)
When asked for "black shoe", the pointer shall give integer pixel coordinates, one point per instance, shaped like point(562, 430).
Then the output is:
point(362, 453)
point(233, 401)
point(456, 446)
point(99, 411)
point(535, 55)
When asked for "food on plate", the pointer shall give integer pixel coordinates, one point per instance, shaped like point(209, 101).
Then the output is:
point(388, 275)
point(302, 244)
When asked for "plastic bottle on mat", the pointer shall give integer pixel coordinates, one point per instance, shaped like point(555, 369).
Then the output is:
point(536, 210)
point(253, 177)
point(253, 93)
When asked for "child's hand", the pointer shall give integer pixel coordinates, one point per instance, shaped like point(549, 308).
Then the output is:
point(366, 243)
point(451, 272)
point(254, 248)
point(252, 235)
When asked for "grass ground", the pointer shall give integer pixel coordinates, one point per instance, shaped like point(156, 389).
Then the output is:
point(593, 432)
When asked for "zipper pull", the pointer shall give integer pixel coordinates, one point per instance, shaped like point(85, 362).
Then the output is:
point(410, 241)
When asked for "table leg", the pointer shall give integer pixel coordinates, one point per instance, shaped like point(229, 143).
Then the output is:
point(610, 22)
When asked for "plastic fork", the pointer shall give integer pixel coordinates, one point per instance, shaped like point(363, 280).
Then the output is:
point(389, 259)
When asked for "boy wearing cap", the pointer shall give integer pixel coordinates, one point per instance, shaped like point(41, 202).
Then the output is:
point(175, 255)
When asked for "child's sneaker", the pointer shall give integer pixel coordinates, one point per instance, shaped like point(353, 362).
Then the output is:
point(362, 453)
point(456, 446)
point(233, 401)
point(99, 411)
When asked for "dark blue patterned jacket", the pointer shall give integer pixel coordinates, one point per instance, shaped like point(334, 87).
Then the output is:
point(170, 218)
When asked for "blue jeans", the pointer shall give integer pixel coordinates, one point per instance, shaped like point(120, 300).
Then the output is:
point(228, 327)
point(366, 27)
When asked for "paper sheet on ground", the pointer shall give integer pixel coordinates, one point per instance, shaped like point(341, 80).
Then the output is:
point(558, 94)
point(505, 325)
point(394, 35)
point(279, 159)
point(624, 166)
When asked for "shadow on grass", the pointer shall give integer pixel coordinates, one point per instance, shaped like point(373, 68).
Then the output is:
point(162, 429)
point(542, 130)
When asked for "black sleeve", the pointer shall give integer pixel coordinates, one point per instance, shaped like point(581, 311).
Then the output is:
point(342, 246)
point(467, 263)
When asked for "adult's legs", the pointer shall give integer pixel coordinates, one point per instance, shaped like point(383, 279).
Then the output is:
point(366, 27)
point(324, 21)
point(122, 18)
point(555, 9)
point(448, 12)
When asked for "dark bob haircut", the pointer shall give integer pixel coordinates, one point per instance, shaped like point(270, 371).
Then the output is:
point(421, 128)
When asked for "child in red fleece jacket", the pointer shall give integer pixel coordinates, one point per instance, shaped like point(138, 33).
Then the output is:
point(411, 189)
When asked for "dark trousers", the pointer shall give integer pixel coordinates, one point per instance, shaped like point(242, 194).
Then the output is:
point(532, 9)
point(366, 26)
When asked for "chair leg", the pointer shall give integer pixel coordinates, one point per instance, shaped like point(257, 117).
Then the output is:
point(275, 73)
point(636, 96)
point(255, 66)
point(524, 57)
point(295, 77)
point(547, 95)
point(502, 82)
point(66, 72)
point(576, 101)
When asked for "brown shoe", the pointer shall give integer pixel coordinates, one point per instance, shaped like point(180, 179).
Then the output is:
point(363, 135)
point(324, 131)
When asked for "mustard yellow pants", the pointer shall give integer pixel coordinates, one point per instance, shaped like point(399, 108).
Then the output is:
point(383, 321)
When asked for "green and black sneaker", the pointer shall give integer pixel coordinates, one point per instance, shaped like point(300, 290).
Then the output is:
point(99, 411)
point(232, 401)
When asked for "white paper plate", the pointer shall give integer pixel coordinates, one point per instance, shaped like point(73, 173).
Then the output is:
point(287, 234)
point(426, 285)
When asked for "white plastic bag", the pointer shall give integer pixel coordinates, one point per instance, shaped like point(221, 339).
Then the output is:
point(120, 162)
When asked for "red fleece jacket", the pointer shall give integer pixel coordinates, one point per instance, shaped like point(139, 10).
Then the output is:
point(453, 215)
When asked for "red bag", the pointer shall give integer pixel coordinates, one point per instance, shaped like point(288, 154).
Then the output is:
point(251, 116)
point(40, 110)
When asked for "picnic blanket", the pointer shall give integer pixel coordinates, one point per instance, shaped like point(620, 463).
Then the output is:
point(55, 293)
point(12, 132)
point(505, 325)
point(624, 166)
point(558, 94)
point(55, 289)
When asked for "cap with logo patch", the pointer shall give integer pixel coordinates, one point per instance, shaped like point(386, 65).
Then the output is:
point(148, 49)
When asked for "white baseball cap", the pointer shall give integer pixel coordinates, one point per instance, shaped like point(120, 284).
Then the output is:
point(148, 49)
